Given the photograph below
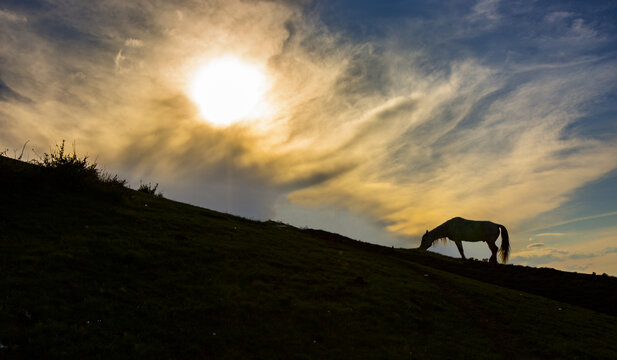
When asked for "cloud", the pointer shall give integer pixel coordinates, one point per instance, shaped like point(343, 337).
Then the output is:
point(570, 33)
point(11, 17)
point(435, 160)
point(118, 59)
point(605, 251)
point(407, 131)
point(540, 255)
point(558, 16)
point(535, 245)
point(131, 42)
point(550, 234)
point(487, 9)
point(79, 76)
point(578, 267)
point(535, 258)
point(571, 221)
point(8, 94)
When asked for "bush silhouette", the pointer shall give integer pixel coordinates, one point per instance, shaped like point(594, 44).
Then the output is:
point(148, 188)
point(68, 170)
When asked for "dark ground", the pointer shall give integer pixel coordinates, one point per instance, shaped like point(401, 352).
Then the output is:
point(94, 270)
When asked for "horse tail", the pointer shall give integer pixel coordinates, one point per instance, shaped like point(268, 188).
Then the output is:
point(504, 250)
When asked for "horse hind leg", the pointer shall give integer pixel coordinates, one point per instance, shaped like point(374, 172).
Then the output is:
point(494, 248)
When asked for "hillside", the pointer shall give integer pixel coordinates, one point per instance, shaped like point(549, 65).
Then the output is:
point(100, 271)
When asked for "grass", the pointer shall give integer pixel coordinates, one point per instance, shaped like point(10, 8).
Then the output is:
point(102, 272)
point(149, 189)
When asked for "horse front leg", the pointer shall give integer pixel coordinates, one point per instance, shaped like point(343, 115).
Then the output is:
point(459, 245)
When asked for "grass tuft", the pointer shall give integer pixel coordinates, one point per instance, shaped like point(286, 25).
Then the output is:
point(149, 188)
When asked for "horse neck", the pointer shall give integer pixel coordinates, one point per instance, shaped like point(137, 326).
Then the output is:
point(439, 232)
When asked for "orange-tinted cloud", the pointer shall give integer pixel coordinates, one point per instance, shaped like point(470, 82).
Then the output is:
point(372, 127)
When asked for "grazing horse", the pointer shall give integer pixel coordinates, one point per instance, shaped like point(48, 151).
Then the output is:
point(459, 230)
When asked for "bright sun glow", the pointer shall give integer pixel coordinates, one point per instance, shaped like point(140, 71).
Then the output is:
point(228, 90)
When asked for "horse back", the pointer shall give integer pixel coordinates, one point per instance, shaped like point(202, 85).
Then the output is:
point(471, 230)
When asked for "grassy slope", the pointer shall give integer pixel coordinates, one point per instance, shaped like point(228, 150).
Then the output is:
point(105, 273)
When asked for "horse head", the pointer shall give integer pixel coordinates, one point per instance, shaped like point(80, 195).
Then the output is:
point(426, 241)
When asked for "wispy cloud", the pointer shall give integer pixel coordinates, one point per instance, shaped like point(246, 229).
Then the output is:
point(571, 221)
point(432, 165)
point(606, 251)
point(405, 130)
point(118, 59)
point(131, 42)
point(558, 16)
point(6, 15)
point(486, 9)
point(8, 94)
point(578, 267)
point(540, 255)
point(535, 245)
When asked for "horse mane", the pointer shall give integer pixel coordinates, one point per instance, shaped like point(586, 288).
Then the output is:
point(438, 232)
point(444, 240)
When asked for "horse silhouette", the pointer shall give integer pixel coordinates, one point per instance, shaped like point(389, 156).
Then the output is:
point(458, 230)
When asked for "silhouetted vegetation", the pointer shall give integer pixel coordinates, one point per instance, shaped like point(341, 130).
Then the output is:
point(149, 189)
point(150, 278)
point(68, 168)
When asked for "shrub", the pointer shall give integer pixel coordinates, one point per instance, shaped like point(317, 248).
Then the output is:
point(148, 188)
point(68, 167)
point(69, 170)
point(112, 181)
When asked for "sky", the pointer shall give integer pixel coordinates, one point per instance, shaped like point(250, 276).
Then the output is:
point(374, 119)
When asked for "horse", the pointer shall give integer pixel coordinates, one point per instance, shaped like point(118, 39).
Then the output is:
point(458, 230)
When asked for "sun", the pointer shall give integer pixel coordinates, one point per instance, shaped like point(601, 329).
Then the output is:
point(229, 90)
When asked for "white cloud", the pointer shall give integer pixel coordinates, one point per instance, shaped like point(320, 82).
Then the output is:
point(131, 42)
point(535, 245)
